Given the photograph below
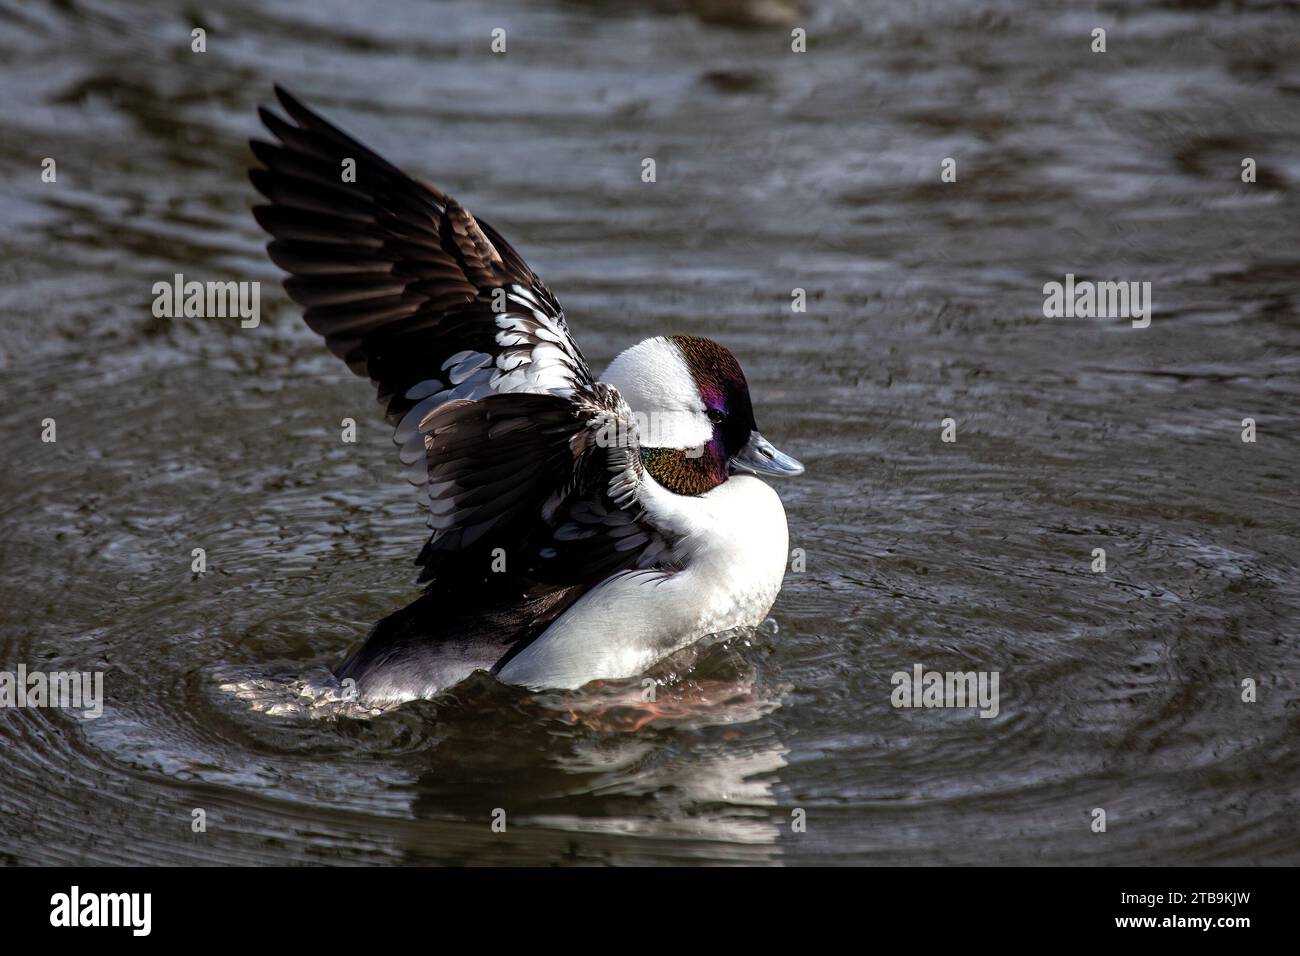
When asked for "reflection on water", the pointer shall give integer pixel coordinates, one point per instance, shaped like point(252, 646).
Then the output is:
point(776, 171)
point(671, 768)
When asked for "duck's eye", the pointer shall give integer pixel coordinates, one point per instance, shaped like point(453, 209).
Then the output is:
point(715, 416)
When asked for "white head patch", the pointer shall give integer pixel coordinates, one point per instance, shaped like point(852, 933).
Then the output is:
point(655, 381)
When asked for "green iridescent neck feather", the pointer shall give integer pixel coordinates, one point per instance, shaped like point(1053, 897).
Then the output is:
point(685, 471)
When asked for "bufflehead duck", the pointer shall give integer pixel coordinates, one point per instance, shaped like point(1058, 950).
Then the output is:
point(583, 528)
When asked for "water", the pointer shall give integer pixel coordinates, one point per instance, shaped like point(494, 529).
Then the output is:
point(1119, 690)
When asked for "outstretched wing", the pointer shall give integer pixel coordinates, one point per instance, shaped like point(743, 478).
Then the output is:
point(496, 411)
point(405, 284)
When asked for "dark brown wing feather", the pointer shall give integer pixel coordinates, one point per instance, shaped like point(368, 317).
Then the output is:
point(397, 276)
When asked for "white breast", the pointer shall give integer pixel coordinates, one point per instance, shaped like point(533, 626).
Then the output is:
point(733, 550)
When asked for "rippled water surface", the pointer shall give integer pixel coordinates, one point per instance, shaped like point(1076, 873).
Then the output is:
point(1119, 690)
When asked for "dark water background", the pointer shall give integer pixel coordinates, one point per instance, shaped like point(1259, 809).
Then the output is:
point(775, 170)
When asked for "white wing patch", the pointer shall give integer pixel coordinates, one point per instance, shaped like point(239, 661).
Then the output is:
point(536, 356)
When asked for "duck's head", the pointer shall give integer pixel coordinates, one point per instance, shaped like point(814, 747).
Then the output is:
point(694, 416)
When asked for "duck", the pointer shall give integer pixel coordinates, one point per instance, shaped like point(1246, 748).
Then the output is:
point(582, 527)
